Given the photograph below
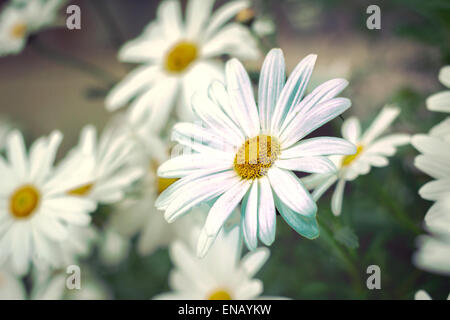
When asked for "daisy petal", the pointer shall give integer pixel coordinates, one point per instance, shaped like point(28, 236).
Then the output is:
point(351, 129)
point(293, 91)
point(380, 124)
point(222, 15)
point(305, 226)
point(249, 218)
point(336, 199)
point(439, 102)
point(15, 149)
point(223, 207)
point(308, 164)
point(271, 83)
point(266, 217)
point(253, 261)
point(322, 93)
point(320, 146)
point(321, 114)
point(291, 191)
point(241, 97)
point(138, 79)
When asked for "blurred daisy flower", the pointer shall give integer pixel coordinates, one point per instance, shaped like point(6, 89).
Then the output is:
point(13, 288)
point(245, 152)
point(102, 164)
point(441, 101)
point(36, 212)
point(433, 254)
point(434, 161)
point(20, 19)
point(371, 151)
point(423, 295)
point(221, 275)
point(179, 58)
point(434, 250)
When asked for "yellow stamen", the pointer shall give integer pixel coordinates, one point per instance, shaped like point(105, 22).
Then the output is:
point(161, 183)
point(220, 295)
point(24, 201)
point(181, 56)
point(256, 156)
point(245, 16)
point(81, 191)
point(164, 183)
point(347, 160)
point(19, 30)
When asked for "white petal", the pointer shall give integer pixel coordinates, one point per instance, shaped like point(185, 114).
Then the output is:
point(433, 166)
point(307, 164)
point(444, 76)
point(271, 82)
point(198, 193)
point(225, 205)
point(138, 80)
point(293, 91)
point(222, 15)
point(217, 120)
point(380, 124)
point(187, 164)
point(439, 102)
point(253, 261)
point(322, 93)
point(435, 190)
point(197, 14)
point(351, 129)
point(266, 215)
point(15, 149)
point(318, 116)
point(249, 219)
point(291, 191)
point(338, 195)
point(321, 146)
point(241, 97)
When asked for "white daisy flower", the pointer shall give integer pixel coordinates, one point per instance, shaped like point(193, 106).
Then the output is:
point(103, 164)
point(434, 161)
point(441, 101)
point(221, 275)
point(20, 19)
point(371, 151)
point(248, 153)
point(423, 295)
point(35, 209)
point(433, 254)
point(179, 58)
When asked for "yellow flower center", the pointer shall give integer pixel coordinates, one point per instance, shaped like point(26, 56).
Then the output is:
point(19, 30)
point(161, 183)
point(81, 191)
point(347, 160)
point(181, 56)
point(256, 156)
point(164, 183)
point(245, 16)
point(24, 201)
point(220, 295)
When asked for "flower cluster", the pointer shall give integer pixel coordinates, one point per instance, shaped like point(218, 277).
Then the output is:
point(196, 162)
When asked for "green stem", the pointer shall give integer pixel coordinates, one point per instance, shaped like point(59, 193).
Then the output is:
point(349, 259)
point(73, 62)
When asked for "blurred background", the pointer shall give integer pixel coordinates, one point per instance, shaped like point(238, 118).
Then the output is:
point(382, 212)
